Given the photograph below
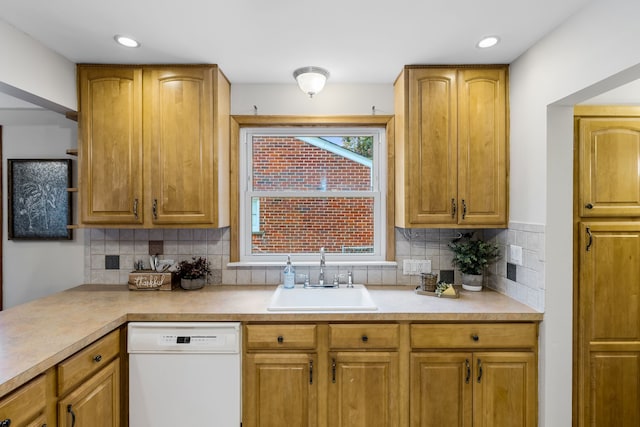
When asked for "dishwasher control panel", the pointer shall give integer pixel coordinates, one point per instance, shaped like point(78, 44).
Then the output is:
point(189, 337)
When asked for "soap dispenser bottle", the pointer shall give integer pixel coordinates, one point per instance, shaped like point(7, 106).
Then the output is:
point(289, 274)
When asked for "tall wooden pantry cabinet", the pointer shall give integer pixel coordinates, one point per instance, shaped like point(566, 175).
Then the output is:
point(607, 260)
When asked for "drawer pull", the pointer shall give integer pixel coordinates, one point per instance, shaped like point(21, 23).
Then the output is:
point(5, 423)
point(280, 339)
point(365, 338)
point(97, 358)
point(475, 337)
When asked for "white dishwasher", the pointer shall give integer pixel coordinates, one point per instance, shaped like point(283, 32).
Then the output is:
point(184, 374)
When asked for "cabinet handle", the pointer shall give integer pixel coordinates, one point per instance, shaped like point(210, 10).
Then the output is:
point(475, 337)
point(97, 358)
point(73, 416)
point(280, 339)
point(135, 208)
point(365, 338)
point(310, 371)
point(333, 371)
point(479, 370)
point(590, 242)
point(155, 208)
point(464, 209)
point(454, 208)
point(588, 206)
point(5, 422)
point(468, 366)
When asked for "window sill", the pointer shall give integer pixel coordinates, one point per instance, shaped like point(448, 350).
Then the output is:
point(314, 264)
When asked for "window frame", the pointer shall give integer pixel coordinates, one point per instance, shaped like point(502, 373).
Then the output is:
point(387, 231)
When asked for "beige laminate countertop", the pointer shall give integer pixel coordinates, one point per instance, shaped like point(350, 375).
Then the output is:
point(37, 335)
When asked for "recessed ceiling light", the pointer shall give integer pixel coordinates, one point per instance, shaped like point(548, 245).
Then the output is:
point(488, 42)
point(126, 41)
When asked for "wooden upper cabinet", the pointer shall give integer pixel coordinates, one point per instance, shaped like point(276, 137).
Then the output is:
point(482, 147)
point(179, 141)
point(182, 148)
point(110, 155)
point(609, 166)
point(451, 147)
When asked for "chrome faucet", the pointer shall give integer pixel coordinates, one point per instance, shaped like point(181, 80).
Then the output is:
point(322, 266)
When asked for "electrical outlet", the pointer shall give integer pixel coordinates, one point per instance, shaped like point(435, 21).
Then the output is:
point(515, 253)
point(415, 267)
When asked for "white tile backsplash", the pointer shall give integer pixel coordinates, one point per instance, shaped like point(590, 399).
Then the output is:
point(133, 244)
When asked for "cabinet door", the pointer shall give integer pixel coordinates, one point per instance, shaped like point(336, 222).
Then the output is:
point(363, 391)
point(432, 147)
point(178, 134)
point(96, 402)
point(614, 389)
point(110, 155)
point(280, 390)
point(441, 389)
point(609, 161)
point(505, 389)
point(482, 142)
point(25, 407)
point(609, 324)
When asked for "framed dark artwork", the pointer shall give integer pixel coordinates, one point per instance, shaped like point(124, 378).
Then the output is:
point(39, 203)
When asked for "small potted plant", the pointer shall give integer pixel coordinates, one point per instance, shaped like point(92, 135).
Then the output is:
point(472, 258)
point(193, 274)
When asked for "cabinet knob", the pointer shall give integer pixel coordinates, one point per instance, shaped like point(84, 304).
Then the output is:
point(588, 206)
point(97, 358)
point(475, 337)
point(280, 339)
point(365, 338)
point(5, 422)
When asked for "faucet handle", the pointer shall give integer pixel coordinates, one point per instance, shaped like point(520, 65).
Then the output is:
point(349, 280)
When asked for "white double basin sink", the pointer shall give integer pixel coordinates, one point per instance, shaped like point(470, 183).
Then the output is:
point(343, 298)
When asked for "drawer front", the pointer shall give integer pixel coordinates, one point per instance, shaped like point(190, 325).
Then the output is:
point(25, 404)
point(364, 336)
point(87, 361)
point(280, 337)
point(497, 335)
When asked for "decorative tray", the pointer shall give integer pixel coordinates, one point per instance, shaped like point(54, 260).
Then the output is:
point(433, 294)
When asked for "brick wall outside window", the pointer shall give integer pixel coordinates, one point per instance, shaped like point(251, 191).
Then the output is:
point(295, 224)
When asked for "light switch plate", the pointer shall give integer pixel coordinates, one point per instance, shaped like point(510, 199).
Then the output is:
point(515, 254)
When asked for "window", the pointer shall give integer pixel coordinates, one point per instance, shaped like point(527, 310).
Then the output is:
point(306, 188)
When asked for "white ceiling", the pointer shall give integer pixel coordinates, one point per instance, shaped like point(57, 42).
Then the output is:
point(263, 41)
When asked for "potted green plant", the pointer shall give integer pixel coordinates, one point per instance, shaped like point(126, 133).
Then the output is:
point(193, 274)
point(472, 256)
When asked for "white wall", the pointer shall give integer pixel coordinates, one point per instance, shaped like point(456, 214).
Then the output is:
point(335, 99)
point(33, 269)
point(32, 72)
point(593, 52)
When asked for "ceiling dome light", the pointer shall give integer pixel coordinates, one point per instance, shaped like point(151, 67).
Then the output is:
point(126, 41)
point(488, 42)
point(311, 80)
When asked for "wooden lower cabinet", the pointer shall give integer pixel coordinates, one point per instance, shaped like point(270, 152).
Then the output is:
point(391, 375)
point(280, 390)
point(95, 403)
point(607, 390)
point(364, 389)
point(483, 389)
point(25, 407)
